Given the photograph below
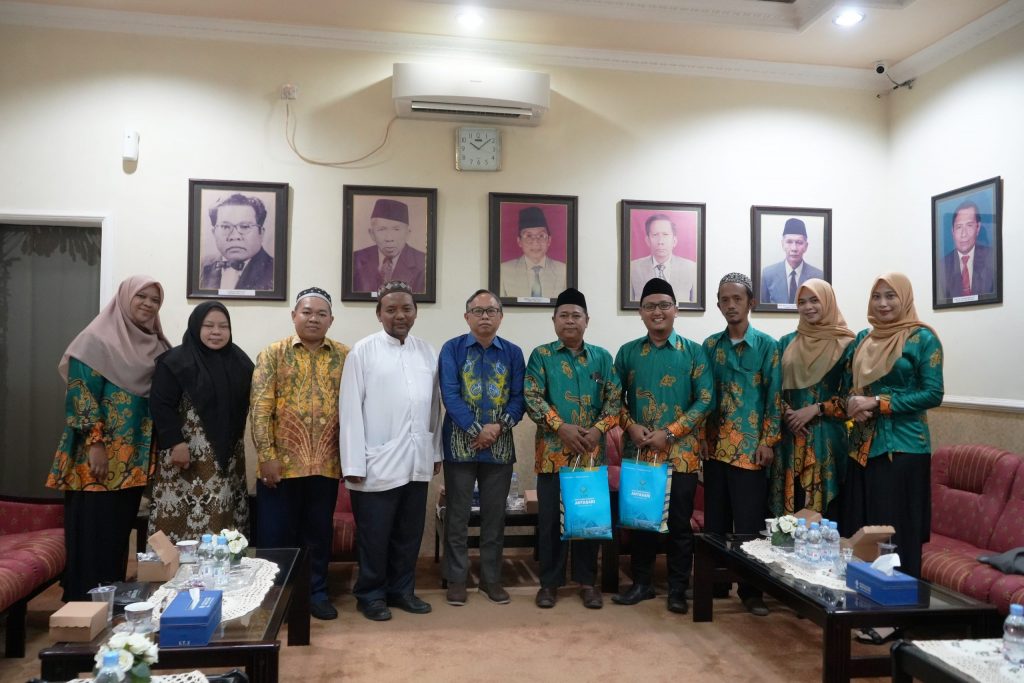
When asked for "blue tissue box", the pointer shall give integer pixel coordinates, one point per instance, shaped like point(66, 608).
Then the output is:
point(898, 589)
point(181, 624)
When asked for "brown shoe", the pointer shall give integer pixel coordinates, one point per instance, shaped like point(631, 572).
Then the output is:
point(495, 593)
point(546, 598)
point(591, 597)
point(456, 594)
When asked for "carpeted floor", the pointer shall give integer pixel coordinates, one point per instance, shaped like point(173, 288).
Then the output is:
point(519, 642)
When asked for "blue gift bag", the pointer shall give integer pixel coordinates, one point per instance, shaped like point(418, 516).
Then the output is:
point(644, 492)
point(585, 506)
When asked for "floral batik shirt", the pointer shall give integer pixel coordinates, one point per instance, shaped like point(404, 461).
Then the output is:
point(748, 386)
point(97, 411)
point(666, 387)
point(579, 388)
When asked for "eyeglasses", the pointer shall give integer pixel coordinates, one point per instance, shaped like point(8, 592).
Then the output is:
point(490, 311)
point(242, 228)
point(660, 306)
point(542, 237)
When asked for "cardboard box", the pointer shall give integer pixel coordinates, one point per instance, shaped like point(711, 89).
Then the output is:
point(898, 589)
point(865, 542)
point(78, 622)
point(183, 623)
point(166, 566)
point(531, 501)
point(809, 515)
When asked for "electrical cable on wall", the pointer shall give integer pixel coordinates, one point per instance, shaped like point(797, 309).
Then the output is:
point(289, 136)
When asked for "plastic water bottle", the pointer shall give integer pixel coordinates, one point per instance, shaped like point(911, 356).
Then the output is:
point(512, 502)
point(826, 541)
point(476, 495)
point(204, 555)
point(834, 542)
point(221, 554)
point(800, 540)
point(814, 545)
point(1013, 635)
point(110, 672)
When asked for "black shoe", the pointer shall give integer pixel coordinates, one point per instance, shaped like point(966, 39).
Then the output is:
point(756, 607)
point(873, 637)
point(374, 610)
point(636, 593)
point(546, 598)
point(409, 603)
point(322, 610)
point(677, 602)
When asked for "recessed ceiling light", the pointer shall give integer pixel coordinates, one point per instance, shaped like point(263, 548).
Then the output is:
point(469, 18)
point(848, 17)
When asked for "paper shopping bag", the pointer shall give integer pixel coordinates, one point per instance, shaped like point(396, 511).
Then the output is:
point(585, 506)
point(644, 492)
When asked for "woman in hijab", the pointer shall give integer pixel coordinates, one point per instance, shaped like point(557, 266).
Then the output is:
point(810, 461)
point(897, 376)
point(200, 399)
point(103, 459)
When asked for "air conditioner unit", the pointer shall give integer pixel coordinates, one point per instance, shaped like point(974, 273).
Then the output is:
point(470, 93)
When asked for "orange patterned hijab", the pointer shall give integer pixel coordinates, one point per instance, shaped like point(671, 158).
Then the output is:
point(817, 347)
point(883, 346)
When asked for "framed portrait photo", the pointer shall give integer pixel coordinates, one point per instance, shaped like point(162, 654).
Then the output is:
point(789, 246)
point(532, 247)
point(389, 233)
point(666, 240)
point(967, 245)
point(237, 240)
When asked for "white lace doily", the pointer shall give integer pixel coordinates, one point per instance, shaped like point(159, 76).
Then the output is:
point(762, 550)
point(982, 659)
point(237, 602)
point(190, 677)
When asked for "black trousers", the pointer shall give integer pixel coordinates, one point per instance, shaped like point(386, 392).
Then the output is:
point(553, 551)
point(644, 545)
point(896, 492)
point(494, 481)
point(735, 500)
point(389, 529)
point(97, 525)
point(299, 513)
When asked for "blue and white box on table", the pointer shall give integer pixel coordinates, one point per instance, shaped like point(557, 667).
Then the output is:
point(885, 589)
point(190, 622)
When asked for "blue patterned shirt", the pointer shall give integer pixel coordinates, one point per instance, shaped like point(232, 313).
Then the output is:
point(480, 386)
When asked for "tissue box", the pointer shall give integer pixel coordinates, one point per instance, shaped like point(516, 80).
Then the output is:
point(166, 566)
point(78, 622)
point(898, 589)
point(181, 624)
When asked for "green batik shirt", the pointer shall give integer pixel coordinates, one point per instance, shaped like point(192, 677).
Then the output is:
point(582, 389)
point(748, 383)
point(913, 385)
point(815, 461)
point(668, 387)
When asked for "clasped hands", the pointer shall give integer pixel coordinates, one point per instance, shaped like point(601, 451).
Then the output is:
point(861, 408)
point(578, 440)
point(797, 420)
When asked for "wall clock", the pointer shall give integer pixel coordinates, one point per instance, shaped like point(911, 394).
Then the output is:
point(477, 149)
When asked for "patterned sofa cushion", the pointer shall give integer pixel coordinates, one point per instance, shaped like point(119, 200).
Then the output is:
point(970, 486)
point(28, 561)
point(18, 516)
point(1008, 532)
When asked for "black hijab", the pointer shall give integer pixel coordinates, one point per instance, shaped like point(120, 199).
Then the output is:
point(218, 382)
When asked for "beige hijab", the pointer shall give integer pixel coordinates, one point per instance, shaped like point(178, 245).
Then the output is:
point(817, 347)
point(883, 346)
point(116, 347)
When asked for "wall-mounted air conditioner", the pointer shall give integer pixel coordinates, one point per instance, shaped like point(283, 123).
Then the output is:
point(470, 93)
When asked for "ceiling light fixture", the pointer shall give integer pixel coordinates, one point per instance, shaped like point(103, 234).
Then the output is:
point(469, 18)
point(848, 17)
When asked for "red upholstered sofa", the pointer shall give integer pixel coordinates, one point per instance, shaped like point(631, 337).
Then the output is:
point(977, 509)
point(343, 546)
point(32, 557)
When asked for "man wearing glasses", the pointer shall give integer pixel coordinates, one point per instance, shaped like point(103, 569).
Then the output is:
point(667, 391)
point(534, 274)
point(237, 224)
point(481, 377)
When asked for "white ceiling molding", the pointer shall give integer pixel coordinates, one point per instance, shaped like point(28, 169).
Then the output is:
point(751, 14)
point(508, 53)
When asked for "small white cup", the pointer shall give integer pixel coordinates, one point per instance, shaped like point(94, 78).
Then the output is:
point(187, 551)
point(139, 616)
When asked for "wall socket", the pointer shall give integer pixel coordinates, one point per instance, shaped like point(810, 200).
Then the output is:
point(289, 92)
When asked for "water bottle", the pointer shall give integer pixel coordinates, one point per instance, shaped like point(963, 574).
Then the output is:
point(110, 672)
point(814, 545)
point(826, 541)
point(800, 539)
point(204, 555)
point(835, 543)
point(512, 502)
point(1013, 635)
point(476, 495)
point(221, 555)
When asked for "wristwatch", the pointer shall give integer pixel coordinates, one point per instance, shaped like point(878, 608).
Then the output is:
point(670, 438)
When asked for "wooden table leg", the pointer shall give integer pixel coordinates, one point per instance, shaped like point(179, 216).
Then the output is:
point(835, 651)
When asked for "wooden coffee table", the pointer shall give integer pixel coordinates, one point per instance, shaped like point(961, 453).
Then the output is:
point(719, 558)
point(250, 641)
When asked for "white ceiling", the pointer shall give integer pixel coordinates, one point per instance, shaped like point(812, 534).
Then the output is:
point(759, 39)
